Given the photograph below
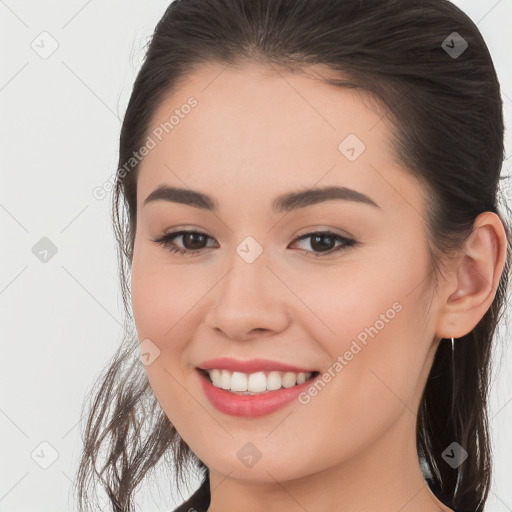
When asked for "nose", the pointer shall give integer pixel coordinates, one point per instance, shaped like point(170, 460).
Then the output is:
point(249, 301)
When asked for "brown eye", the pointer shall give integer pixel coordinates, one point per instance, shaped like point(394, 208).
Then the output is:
point(325, 242)
point(322, 242)
point(193, 241)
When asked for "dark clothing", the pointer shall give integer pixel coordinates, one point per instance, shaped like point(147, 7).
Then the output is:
point(200, 500)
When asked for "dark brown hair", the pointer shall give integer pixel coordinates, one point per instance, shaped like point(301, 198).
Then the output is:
point(446, 112)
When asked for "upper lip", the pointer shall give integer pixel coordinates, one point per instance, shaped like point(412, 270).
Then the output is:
point(250, 366)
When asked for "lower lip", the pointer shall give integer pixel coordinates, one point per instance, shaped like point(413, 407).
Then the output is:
point(251, 405)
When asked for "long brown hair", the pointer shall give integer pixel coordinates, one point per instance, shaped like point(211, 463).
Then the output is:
point(446, 111)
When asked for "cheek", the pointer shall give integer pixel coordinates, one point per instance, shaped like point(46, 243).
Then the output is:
point(377, 358)
point(369, 321)
point(161, 300)
point(160, 296)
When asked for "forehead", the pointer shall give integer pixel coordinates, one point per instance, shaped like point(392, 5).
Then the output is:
point(268, 102)
point(253, 125)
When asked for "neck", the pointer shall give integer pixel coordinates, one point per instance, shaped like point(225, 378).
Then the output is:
point(385, 476)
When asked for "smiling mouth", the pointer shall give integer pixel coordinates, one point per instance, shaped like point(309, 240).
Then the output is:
point(257, 382)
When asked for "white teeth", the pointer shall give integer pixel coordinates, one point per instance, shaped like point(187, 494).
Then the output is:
point(225, 379)
point(215, 375)
point(238, 381)
point(273, 381)
point(301, 378)
point(289, 379)
point(258, 382)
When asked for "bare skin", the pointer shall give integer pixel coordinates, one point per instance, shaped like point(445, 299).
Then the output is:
point(256, 134)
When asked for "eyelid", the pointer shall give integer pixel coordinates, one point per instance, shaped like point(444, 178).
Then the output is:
point(308, 230)
point(324, 229)
point(166, 240)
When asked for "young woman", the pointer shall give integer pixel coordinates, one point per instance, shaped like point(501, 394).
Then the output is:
point(310, 241)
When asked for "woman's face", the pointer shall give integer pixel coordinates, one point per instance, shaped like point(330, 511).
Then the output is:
point(360, 314)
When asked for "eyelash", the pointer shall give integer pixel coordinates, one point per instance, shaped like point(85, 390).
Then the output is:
point(166, 239)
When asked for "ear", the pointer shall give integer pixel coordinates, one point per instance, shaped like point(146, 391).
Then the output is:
point(471, 288)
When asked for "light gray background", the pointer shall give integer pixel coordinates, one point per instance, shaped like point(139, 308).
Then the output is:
point(62, 320)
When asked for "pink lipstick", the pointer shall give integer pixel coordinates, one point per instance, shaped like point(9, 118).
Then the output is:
point(252, 405)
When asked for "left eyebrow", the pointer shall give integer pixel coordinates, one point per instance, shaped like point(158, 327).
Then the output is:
point(290, 201)
point(283, 203)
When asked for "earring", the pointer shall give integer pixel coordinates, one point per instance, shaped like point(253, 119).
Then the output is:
point(453, 359)
point(453, 373)
point(459, 474)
